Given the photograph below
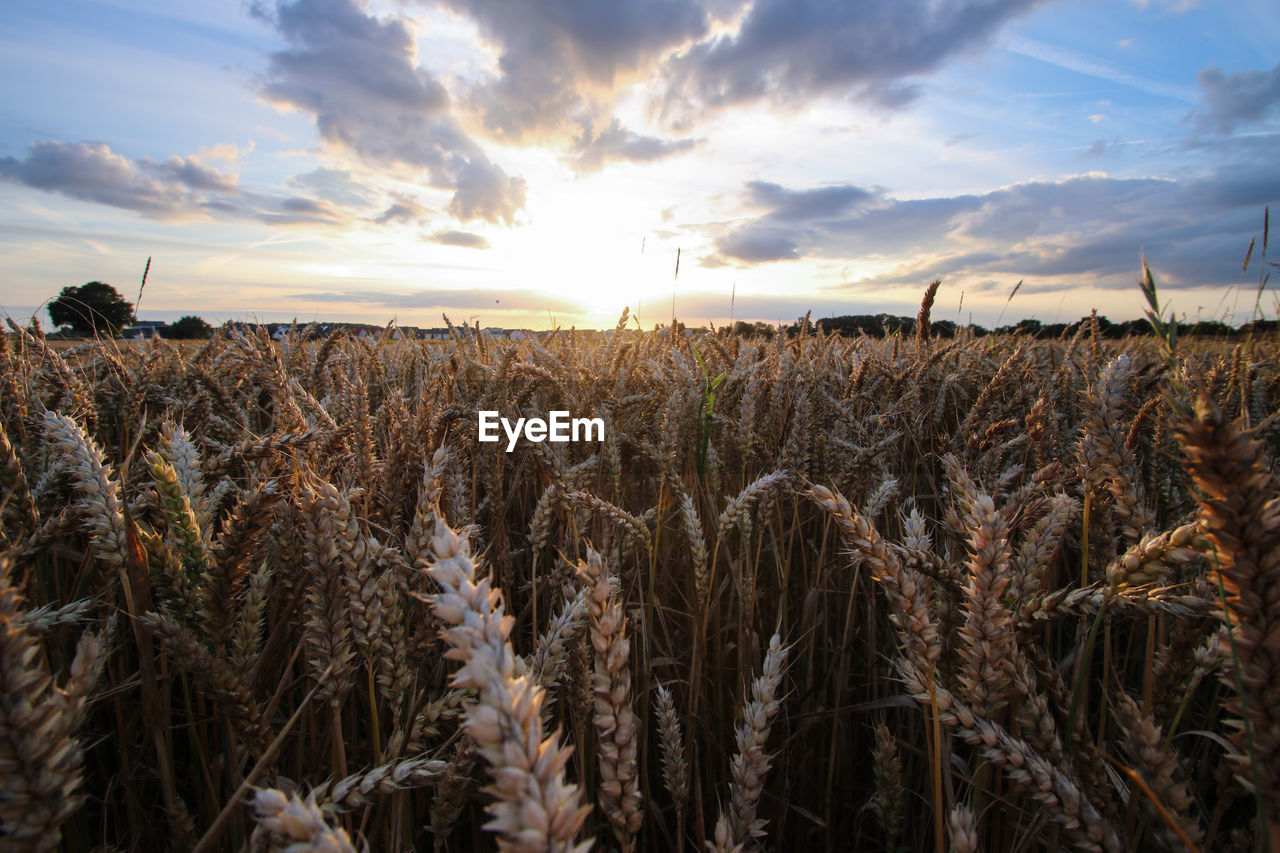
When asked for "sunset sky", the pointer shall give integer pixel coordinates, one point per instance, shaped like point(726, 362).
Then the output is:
point(535, 162)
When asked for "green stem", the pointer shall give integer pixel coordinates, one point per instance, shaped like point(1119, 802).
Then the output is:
point(1082, 670)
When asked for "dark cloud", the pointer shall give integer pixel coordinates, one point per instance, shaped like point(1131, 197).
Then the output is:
point(296, 209)
point(757, 243)
point(464, 239)
point(177, 189)
point(358, 77)
point(803, 205)
point(182, 188)
point(560, 61)
point(402, 210)
point(486, 192)
point(794, 217)
point(789, 51)
point(616, 143)
point(193, 175)
point(1253, 183)
point(1240, 98)
point(90, 171)
point(1087, 228)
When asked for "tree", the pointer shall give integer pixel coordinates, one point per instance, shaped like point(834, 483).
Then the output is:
point(188, 327)
point(92, 308)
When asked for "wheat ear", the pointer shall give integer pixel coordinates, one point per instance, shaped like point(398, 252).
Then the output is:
point(1171, 806)
point(98, 488)
point(536, 809)
point(616, 726)
point(697, 545)
point(903, 586)
point(1241, 514)
point(1080, 820)
point(39, 760)
point(751, 764)
point(890, 794)
point(962, 824)
point(286, 819)
point(675, 766)
point(988, 629)
point(365, 787)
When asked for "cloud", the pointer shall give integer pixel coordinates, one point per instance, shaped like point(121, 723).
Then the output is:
point(180, 188)
point(803, 205)
point(402, 210)
point(295, 210)
point(225, 151)
point(189, 173)
point(1086, 227)
point(335, 185)
point(183, 188)
point(464, 239)
point(535, 301)
point(486, 192)
point(616, 143)
point(787, 52)
point(794, 217)
point(561, 62)
point(90, 171)
point(1241, 98)
point(758, 243)
point(358, 77)
point(1175, 6)
point(1248, 183)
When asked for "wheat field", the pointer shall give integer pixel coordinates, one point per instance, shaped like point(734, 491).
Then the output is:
point(809, 593)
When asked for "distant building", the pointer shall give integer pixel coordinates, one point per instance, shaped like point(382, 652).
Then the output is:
point(142, 329)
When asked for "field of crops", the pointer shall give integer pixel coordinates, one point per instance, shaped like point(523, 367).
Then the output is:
point(809, 593)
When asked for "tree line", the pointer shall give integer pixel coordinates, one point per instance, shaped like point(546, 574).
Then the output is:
point(97, 308)
point(882, 325)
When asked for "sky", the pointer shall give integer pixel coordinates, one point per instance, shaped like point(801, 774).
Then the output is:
point(538, 163)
